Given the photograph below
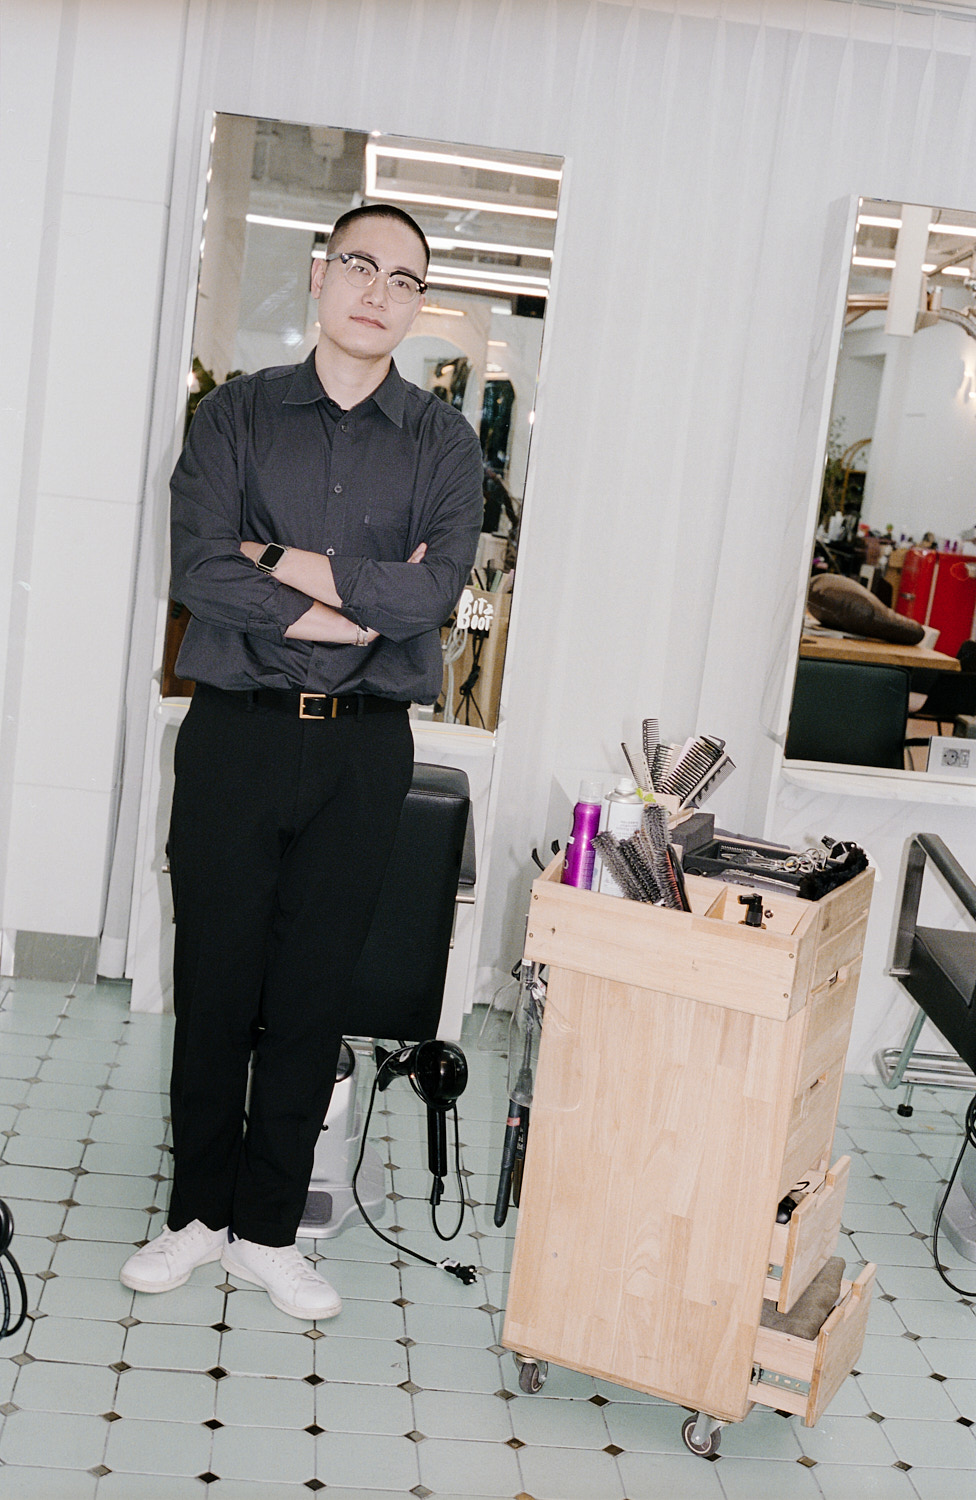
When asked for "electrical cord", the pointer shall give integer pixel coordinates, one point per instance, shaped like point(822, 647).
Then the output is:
point(6, 1235)
point(968, 1139)
point(467, 1274)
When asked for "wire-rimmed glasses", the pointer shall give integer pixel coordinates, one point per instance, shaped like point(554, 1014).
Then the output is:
point(360, 271)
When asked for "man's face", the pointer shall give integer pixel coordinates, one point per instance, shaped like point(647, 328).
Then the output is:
point(368, 324)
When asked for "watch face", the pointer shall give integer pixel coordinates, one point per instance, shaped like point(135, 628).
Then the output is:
point(271, 557)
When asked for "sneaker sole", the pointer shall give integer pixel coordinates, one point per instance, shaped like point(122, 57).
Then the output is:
point(135, 1285)
point(235, 1269)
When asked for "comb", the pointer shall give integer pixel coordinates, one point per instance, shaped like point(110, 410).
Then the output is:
point(710, 782)
point(650, 739)
point(695, 760)
point(663, 759)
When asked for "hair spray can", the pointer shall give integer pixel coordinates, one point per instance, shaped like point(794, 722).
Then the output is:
point(625, 806)
point(578, 863)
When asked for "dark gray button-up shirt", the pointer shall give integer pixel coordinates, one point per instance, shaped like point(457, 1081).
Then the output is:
point(270, 458)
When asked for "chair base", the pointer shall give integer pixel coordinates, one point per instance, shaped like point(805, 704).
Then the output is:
point(330, 1206)
point(926, 1069)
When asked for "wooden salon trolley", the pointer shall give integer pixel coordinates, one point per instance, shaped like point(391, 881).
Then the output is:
point(689, 1073)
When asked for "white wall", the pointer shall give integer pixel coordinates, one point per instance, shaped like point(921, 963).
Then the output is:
point(703, 147)
point(89, 94)
point(923, 477)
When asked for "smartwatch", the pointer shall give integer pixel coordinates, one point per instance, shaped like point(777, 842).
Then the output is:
point(270, 557)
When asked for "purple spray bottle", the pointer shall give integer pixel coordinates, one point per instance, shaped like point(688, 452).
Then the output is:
point(580, 854)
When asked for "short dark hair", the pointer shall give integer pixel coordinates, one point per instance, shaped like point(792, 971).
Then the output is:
point(378, 211)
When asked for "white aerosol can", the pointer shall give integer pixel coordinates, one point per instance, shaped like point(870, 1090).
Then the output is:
point(622, 815)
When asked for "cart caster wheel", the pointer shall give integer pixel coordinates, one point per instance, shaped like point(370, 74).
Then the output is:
point(705, 1449)
point(531, 1374)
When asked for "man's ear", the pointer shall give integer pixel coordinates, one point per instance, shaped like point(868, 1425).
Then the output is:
point(319, 269)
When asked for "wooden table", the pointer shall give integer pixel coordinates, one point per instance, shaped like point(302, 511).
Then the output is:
point(874, 653)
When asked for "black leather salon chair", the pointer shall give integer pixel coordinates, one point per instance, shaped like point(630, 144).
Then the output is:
point(848, 713)
point(937, 966)
point(948, 694)
point(398, 985)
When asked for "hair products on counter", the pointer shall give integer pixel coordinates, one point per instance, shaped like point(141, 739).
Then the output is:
point(624, 806)
point(578, 863)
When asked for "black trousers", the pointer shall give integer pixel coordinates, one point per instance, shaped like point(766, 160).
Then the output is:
point(280, 835)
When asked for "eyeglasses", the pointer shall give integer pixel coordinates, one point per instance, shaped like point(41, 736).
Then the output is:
point(361, 272)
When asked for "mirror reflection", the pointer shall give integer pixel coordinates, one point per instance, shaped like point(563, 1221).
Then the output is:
point(275, 189)
point(887, 662)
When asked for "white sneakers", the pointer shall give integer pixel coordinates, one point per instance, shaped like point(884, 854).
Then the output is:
point(169, 1260)
point(292, 1284)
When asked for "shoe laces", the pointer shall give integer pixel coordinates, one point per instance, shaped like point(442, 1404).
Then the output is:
point(175, 1239)
point(292, 1263)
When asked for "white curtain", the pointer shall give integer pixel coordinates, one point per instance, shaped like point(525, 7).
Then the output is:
point(703, 145)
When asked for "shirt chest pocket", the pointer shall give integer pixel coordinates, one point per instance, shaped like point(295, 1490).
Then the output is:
point(382, 529)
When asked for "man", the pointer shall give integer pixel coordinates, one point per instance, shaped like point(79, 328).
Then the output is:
point(325, 519)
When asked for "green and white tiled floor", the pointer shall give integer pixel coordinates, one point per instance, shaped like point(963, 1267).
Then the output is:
point(209, 1392)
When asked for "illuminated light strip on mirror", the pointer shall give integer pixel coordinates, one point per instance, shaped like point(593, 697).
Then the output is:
point(442, 312)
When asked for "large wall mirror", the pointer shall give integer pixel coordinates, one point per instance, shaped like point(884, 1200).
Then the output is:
point(275, 189)
point(887, 664)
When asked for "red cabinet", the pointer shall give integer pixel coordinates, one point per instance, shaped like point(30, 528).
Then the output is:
point(939, 589)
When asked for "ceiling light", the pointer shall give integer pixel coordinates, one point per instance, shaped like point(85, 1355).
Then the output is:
point(879, 221)
point(438, 242)
point(450, 159)
point(497, 344)
point(927, 269)
point(437, 200)
point(474, 283)
point(278, 223)
point(489, 273)
point(443, 312)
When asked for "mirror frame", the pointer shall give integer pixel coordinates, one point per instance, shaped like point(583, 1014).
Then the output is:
point(828, 324)
point(475, 616)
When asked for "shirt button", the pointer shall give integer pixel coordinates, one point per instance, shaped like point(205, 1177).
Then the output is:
point(330, 552)
point(337, 489)
point(343, 426)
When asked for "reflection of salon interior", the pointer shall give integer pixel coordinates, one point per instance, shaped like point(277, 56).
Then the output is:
point(893, 577)
point(275, 191)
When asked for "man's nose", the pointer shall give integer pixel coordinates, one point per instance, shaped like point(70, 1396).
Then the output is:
point(378, 289)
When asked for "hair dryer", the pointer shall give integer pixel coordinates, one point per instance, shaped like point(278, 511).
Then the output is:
point(438, 1073)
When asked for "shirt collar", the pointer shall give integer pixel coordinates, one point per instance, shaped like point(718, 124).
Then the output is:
point(389, 396)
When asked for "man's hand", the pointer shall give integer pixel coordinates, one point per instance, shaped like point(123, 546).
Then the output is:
point(322, 622)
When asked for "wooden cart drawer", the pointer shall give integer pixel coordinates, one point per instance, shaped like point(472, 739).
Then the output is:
point(801, 1248)
point(830, 1012)
point(803, 1375)
point(811, 1128)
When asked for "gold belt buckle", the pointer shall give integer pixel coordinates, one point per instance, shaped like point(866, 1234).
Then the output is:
point(317, 698)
